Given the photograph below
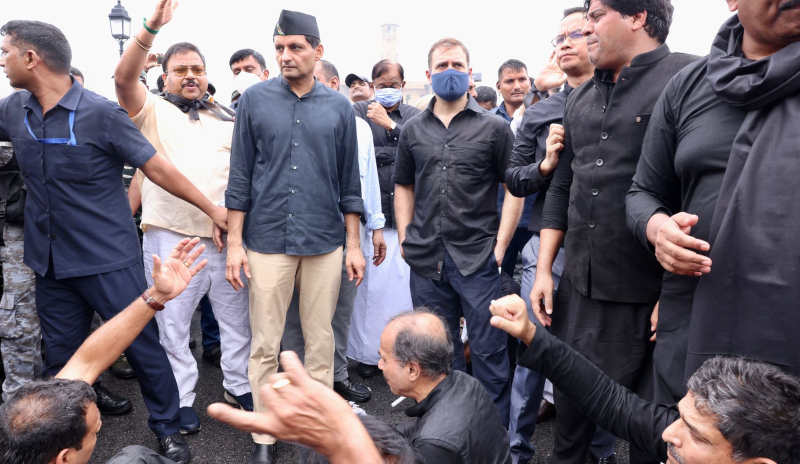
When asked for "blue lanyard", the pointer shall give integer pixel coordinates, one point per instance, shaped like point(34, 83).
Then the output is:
point(55, 141)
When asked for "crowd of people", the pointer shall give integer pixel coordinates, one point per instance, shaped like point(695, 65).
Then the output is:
point(646, 194)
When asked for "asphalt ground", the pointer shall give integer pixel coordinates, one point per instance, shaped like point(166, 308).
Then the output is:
point(217, 443)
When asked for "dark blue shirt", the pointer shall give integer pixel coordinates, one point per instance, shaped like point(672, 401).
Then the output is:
point(76, 209)
point(294, 168)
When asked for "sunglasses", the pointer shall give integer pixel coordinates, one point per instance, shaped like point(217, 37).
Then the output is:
point(182, 71)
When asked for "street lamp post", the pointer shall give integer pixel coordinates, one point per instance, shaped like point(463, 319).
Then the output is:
point(120, 25)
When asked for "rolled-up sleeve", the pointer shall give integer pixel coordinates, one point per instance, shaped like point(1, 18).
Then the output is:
point(347, 152)
point(243, 155)
point(522, 172)
point(556, 203)
point(656, 187)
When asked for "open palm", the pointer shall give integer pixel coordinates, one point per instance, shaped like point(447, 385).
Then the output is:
point(172, 276)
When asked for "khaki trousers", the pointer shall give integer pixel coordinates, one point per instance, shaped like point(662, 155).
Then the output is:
point(271, 287)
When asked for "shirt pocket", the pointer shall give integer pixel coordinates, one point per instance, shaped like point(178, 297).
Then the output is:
point(71, 163)
point(640, 122)
point(8, 317)
point(472, 159)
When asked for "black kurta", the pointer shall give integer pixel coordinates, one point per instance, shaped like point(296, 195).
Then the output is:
point(681, 169)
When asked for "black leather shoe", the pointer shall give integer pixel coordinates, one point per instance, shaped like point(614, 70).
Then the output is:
point(357, 392)
point(175, 447)
point(189, 422)
point(366, 371)
point(122, 370)
point(110, 404)
point(262, 454)
point(212, 355)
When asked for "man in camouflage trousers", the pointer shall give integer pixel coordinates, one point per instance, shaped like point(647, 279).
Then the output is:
point(20, 337)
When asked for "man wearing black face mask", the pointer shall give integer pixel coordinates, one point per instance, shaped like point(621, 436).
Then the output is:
point(385, 290)
point(450, 160)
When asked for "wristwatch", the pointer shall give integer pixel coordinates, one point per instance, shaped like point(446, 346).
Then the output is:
point(152, 301)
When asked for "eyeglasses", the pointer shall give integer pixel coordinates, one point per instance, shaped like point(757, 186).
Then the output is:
point(182, 71)
point(560, 38)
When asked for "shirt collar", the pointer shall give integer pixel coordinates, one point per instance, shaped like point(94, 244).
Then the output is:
point(288, 87)
point(69, 101)
point(419, 409)
point(471, 105)
point(501, 111)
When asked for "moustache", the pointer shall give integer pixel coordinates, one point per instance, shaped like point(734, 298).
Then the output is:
point(788, 5)
point(672, 452)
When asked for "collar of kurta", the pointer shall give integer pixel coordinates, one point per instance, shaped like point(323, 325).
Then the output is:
point(640, 60)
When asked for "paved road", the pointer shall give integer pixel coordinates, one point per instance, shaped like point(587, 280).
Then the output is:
point(219, 444)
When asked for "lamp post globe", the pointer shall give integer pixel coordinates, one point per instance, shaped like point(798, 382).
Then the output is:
point(120, 24)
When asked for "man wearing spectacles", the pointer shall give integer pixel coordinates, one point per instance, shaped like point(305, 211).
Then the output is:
point(528, 174)
point(195, 134)
point(611, 283)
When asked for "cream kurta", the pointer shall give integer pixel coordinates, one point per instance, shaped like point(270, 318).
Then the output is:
point(201, 152)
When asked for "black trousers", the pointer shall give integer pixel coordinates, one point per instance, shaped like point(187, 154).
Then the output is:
point(614, 336)
point(66, 307)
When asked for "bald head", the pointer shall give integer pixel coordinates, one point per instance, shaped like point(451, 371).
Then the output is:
point(421, 337)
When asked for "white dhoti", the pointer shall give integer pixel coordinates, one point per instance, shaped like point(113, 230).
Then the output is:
point(384, 293)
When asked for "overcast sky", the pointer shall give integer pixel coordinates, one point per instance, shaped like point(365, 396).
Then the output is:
point(350, 31)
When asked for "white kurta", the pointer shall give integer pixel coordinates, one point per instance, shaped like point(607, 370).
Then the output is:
point(384, 293)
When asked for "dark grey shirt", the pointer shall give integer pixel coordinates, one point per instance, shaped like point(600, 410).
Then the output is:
point(455, 171)
point(605, 122)
point(294, 168)
point(681, 169)
point(386, 142)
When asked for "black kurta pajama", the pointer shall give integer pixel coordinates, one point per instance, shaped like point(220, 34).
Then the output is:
point(748, 304)
point(611, 283)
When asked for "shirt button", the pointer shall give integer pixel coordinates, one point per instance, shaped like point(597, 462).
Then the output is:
point(592, 225)
point(295, 143)
point(604, 135)
point(444, 168)
point(595, 192)
point(442, 191)
point(603, 108)
point(391, 194)
point(292, 190)
point(445, 145)
point(599, 162)
point(298, 121)
point(294, 168)
point(290, 215)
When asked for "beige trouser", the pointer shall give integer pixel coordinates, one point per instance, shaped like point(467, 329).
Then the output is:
point(271, 287)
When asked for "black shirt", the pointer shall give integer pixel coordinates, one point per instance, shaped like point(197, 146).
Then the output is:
point(523, 177)
point(605, 122)
point(77, 215)
point(386, 142)
point(294, 168)
point(603, 401)
point(681, 169)
point(455, 171)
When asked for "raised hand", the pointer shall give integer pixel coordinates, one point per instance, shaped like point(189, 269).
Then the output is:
point(510, 315)
point(172, 276)
point(550, 76)
point(162, 14)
